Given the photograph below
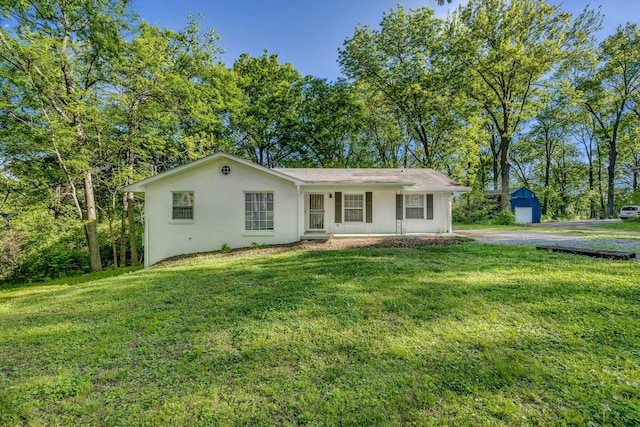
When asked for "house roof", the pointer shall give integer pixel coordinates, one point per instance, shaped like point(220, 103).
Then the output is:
point(138, 187)
point(412, 179)
point(415, 179)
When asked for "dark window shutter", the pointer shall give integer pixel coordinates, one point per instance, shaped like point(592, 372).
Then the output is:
point(338, 196)
point(399, 207)
point(429, 206)
point(369, 206)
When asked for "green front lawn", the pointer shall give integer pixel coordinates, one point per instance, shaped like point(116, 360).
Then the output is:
point(488, 226)
point(459, 335)
point(632, 225)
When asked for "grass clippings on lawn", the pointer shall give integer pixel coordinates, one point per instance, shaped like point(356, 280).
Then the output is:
point(438, 335)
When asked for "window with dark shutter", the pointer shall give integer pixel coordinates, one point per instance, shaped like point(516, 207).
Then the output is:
point(353, 205)
point(414, 206)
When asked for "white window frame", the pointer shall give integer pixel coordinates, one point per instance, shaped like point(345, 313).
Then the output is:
point(346, 208)
point(266, 224)
point(422, 206)
point(189, 207)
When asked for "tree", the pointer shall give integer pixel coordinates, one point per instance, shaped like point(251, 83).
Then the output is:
point(550, 132)
point(137, 111)
point(164, 109)
point(265, 120)
point(508, 46)
point(329, 123)
point(382, 139)
point(404, 65)
point(584, 131)
point(609, 93)
point(56, 55)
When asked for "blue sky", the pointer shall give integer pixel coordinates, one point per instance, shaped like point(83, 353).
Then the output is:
point(309, 33)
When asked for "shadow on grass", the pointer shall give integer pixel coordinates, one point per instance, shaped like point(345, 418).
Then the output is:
point(73, 280)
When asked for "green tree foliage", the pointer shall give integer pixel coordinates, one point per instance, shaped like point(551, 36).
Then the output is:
point(609, 93)
point(508, 46)
point(89, 111)
point(265, 120)
point(382, 139)
point(403, 63)
point(501, 92)
point(584, 130)
point(329, 123)
point(54, 57)
point(57, 249)
point(162, 112)
point(544, 147)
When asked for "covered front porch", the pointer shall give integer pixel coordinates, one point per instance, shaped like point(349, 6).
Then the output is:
point(372, 211)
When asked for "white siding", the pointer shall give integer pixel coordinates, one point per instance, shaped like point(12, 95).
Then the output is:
point(441, 222)
point(219, 211)
point(384, 214)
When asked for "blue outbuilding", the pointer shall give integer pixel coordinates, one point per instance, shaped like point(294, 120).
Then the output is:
point(525, 206)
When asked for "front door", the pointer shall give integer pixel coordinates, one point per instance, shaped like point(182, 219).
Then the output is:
point(316, 212)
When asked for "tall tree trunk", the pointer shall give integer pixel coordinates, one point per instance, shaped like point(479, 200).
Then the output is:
point(123, 232)
point(495, 156)
point(90, 216)
point(129, 205)
point(112, 234)
point(600, 191)
point(588, 147)
point(611, 175)
point(636, 168)
point(592, 202)
point(133, 239)
point(114, 246)
point(91, 225)
point(547, 179)
point(505, 198)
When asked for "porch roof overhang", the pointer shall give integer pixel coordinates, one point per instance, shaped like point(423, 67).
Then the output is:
point(360, 184)
point(409, 180)
point(365, 185)
point(373, 185)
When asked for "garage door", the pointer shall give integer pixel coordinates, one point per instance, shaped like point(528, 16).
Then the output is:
point(524, 215)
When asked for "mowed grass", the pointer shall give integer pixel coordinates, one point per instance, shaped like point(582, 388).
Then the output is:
point(459, 335)
point(632, 225)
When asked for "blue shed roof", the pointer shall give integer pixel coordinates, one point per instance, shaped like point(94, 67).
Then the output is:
point(523, 193)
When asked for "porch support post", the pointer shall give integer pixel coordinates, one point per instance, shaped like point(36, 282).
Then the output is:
point(450, 212)
point(300, 212)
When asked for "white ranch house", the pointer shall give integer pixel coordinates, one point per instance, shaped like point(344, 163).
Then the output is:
point(222, 199)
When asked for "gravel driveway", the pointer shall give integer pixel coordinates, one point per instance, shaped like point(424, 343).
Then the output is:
point(534, 237)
